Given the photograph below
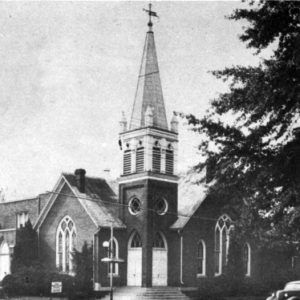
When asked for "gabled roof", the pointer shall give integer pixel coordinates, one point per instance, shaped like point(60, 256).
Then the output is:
point(192, 192)
point(149, 90)
point(99, 201)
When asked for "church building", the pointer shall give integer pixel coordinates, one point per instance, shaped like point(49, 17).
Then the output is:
point(159, 244)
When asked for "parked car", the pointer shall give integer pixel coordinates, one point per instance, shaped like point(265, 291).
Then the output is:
point(291, 291)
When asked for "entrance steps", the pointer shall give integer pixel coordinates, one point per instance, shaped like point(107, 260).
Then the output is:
point(153, 293)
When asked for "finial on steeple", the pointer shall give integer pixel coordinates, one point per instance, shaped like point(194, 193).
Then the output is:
point(151, 14)
point(149, 116)
point(174, 123)
point(123, 122)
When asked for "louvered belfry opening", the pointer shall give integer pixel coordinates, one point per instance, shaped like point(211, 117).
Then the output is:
point(169, 162)
point(140, 157)
point(127, 162)
point(156, 159)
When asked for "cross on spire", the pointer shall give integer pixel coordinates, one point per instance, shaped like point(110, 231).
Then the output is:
point(151, 13)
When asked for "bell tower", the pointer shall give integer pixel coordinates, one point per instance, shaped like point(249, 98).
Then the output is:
point(148, 183)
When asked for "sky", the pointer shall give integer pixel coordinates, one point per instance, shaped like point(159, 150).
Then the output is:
point(68, 70)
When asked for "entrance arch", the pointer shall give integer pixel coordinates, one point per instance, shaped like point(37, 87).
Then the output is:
point(134, 260)
point(4, 260)
point(159, 260)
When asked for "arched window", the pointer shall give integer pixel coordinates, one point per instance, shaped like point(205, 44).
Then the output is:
point(114, 248)
point(136, 241)
point(201, 258)
point(65, 244)
point(222, 231)
point(156, 157)
point(247, 259)
point(158, 241)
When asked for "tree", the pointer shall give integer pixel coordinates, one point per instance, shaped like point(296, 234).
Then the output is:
point(252, 170)
point(26, 248)
point(84, 268)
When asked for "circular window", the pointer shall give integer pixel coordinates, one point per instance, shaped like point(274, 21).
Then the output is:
point(161, 206)
point(134, 206)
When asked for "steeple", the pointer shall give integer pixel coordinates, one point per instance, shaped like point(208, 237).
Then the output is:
point(149, 146)
point(149, 90)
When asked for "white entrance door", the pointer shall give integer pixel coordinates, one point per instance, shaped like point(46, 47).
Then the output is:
point(159, 267)
point(4, 261)
point(134, 267)
point(159, 260)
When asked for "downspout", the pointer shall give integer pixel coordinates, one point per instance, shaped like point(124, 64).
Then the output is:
point(38, 229)
point(95, 260)
point(181, 257)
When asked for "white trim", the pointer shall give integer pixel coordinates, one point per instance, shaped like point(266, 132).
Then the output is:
point(129, 206)
point(148, 177)
point(9, 229)
point(181, 259)
point(134, 232)
point(59, 185)
point(53, 198)
point(203, 274)
point(166, 206)
point(140, 132)
point(248, 273)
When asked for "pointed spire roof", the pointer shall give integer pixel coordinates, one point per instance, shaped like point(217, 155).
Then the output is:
point(149, 90)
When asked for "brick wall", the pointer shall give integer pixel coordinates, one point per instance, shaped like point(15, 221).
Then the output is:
point(64, 205)
point(148, 222)
point(201, 227)
point(9, 210)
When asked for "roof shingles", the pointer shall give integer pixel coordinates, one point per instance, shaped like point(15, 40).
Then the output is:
point(99, 200)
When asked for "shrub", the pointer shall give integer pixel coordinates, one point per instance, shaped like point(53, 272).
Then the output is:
point(26, 248)
point(36, 281)
point(83, 262)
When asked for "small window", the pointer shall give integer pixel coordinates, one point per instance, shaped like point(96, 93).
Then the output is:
point(134, 206)
point(136, 241)
point(201, 258)
point(22, 218)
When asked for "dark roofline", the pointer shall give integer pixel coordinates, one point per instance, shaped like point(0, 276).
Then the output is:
point(88, 177)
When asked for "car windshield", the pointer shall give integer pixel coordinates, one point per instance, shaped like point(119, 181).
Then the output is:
point(292, 286)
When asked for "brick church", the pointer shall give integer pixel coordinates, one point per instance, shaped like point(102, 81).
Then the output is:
point(160, 244)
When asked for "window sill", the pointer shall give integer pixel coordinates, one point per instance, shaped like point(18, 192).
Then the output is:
point(114, 275)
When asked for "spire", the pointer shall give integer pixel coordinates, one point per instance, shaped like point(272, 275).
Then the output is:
point(149, 90)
